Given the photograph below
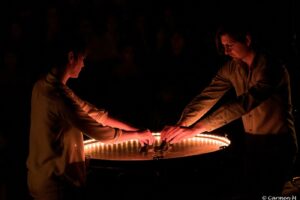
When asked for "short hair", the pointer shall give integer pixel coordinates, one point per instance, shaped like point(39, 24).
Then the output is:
point(237, 31)
point(62, 45)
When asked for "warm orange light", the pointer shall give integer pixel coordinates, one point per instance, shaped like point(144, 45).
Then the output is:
point(129, 150)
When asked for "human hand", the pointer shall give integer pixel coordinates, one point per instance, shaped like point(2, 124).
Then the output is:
point(167, 132)
point(145, 137)
point(176, 133)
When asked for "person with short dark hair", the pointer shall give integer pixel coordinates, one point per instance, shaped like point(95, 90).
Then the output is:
point(263, 102)
point(59, 118)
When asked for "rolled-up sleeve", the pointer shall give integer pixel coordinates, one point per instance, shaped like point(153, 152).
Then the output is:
point(267, 84)
point(85, 117)
point(203, 102)
point(98, 114)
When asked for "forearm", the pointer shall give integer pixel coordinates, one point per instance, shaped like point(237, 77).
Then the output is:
point(110, 121)
point(97, 114)
point(204, 101)
point(127, 135)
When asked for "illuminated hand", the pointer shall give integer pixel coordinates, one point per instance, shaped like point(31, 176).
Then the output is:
point(173, 134)
point(145, 137)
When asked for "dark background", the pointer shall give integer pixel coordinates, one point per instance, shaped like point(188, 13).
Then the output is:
point(148, 59)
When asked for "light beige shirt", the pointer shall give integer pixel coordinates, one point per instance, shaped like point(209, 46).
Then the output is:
point(58, 119)
point(263, 99)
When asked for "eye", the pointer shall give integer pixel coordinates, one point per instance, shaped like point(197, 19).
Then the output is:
point(228, 46)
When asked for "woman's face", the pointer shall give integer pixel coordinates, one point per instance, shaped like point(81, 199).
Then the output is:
point(235, 49)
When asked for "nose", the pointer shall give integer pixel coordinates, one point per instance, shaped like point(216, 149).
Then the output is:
point(82, 64)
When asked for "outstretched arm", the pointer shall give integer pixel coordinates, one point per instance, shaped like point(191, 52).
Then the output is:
point(204, 101)
point(96, 123)
point(113, 122)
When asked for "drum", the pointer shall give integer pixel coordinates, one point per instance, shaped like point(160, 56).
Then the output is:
point(132, 150)
point(129, 155)
point(193, 163)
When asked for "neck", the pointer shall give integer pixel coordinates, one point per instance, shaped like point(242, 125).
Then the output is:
point(61, 75)
point(249, 58)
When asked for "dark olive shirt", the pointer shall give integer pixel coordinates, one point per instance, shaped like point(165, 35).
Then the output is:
point(263, 98)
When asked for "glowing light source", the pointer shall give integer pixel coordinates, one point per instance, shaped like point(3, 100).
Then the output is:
point(129, 150)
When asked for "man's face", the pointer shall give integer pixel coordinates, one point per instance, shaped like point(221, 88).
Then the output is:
point(233, 48)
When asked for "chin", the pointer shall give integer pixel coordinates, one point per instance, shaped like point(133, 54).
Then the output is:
point(75, 76)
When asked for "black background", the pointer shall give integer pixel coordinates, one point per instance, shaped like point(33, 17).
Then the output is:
point(149, 93)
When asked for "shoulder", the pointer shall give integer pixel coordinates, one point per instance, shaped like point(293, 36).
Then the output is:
point(271, 66)
point(39, 85)
point(270, 61)
point(48, 89)
point(230, 66)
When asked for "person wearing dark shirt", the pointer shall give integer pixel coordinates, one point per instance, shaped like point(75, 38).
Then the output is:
point(263, 102)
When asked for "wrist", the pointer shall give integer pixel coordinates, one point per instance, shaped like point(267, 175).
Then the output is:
point(199, 128)
point(183, 124)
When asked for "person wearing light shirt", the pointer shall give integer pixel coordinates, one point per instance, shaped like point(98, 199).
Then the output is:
point(59, 118)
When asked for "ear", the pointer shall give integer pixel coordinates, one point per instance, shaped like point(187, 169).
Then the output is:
point(71, 57)
point(248, 40)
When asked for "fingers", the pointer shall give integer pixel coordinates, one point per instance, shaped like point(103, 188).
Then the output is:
point(173, 138)
point(180, 134)
point(168, 132)
point(172, 133)
point(165, 130)
point(144, 142)
point(146, 138)
point(150, 140)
